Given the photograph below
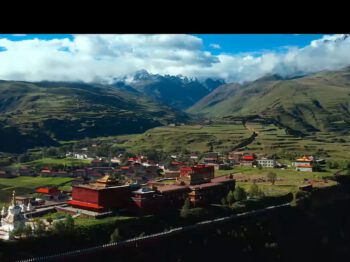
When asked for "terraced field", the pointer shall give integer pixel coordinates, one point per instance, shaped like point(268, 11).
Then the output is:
point(272, 139)
point(190, 137)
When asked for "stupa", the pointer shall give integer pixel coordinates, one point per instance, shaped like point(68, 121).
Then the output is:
point(11, 218)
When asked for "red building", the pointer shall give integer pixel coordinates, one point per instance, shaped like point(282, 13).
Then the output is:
point(49, 193)
point(196, 174)
point(103, 195)
point(247, 160)
point(147, 200)
point(205, 190)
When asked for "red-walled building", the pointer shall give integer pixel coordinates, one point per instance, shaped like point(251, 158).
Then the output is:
point(147, 200)
point(247, 160)
point(103, 195)
point(196, 174)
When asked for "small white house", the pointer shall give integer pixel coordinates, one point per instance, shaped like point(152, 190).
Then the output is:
point(265, 162)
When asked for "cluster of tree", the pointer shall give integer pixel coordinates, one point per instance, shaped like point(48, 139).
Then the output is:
point(39, 229)
point(237, 195)
point(191, 213)
point(255, 191)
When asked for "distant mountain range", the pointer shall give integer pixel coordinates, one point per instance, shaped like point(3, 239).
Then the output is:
point(41, 114)
point(309, 103)
point(175, 91)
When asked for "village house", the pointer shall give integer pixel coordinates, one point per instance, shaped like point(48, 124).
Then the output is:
point(266, 162)
point(194, 156)
point(304, 163)
point(173, 169)
point(196, 174)
point(6, 174)
point(247, 160)
point(50, 193)
point(235, 157)
point(25, 171)
point(211, 158)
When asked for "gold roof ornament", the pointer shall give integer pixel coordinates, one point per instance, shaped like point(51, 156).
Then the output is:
point(106, 181)
point(13, 197)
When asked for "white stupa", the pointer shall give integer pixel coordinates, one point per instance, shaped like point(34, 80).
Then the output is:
point(11, 219)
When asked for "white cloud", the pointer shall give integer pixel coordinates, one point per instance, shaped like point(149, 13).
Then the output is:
point(18, 34)
point(215, 46)
point(103, 57)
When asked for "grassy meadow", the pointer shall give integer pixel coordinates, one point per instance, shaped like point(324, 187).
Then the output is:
point(27, 185)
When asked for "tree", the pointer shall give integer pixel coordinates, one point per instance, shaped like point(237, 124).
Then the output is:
point(230, 198)
point(317, 167)
point(28, 231)
point(255, 191)
point(259, 167)
point(39, 228)
point(272, 176)
point(18, 231)
point(69, 223)
point(185, 210)
point(64, 227)
point(240, 194)
point(115, 236)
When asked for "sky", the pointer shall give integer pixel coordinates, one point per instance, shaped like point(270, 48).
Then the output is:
point(232, 57)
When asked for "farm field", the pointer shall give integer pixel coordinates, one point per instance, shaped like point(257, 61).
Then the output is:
point(288, 180)
point(189, 137)
point(26, 185)
point(58, 161)
point(275, 140)
point(223, 137)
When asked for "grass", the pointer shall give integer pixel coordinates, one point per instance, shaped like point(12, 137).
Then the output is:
point(27, 185)
point(58, 161)
point(189, 137)
point(87, 222)
point(288, 180)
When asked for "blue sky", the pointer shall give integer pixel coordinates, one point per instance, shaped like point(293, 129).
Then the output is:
point(237, 43)
point(232, 57)
point(228, 43)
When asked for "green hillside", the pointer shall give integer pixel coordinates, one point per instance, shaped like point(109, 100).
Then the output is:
point(39, 114)
point(319, 102)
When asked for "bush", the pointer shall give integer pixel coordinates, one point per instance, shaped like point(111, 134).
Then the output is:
point(115, 236)
point(185, 210)
point(255, 192)
point(240, 194)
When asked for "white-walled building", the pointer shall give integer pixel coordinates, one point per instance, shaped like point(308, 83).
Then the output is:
point(266, 162)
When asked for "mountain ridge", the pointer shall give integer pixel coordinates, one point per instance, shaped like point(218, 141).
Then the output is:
point(308, 103)
point(57, 111)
